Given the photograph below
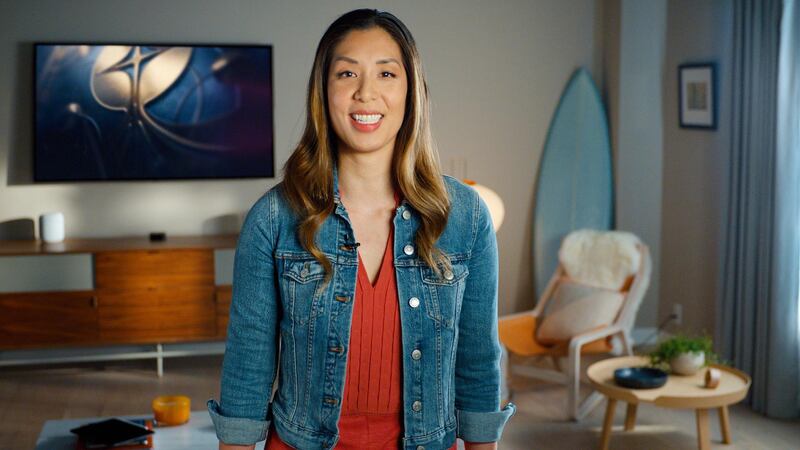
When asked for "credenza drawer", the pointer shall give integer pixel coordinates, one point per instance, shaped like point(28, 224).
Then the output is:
point(157, 315)
point(136, 269)
point(224, 295)
point(47, 318)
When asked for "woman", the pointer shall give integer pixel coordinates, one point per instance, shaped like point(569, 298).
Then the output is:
point(374, 275)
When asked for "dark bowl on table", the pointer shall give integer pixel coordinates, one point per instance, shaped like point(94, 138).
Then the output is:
point(640, 377)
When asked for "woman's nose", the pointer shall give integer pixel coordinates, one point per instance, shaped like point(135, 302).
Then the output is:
point(367, 91)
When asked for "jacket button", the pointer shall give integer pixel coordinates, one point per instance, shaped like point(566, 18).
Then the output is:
point(420, 447)
point(342, 298)
point(337, 349)
point(413, 302)
point(416, 406)
point(416, 354)
point(331, 401)
point(406, 215)
point(408, 249)
point(448, 275)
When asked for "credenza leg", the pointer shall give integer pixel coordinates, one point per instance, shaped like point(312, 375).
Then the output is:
point(160, 360)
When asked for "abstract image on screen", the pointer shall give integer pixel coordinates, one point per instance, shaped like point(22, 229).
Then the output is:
point(126, 112)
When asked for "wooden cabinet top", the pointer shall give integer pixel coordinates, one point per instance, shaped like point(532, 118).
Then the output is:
point(93, 245)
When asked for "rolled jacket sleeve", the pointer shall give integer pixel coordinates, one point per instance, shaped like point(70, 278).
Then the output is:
point(483, 426)
point(236, 430)
point(477, 402)
point(248, 370)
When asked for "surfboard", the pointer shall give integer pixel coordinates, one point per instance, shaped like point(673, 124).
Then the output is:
point(575, 186)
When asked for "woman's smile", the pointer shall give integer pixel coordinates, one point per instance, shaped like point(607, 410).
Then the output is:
point(366, 121)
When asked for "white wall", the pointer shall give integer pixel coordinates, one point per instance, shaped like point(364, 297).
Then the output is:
point(640, 134)
point(633, 51)
point(695, 166)
point(495, 69)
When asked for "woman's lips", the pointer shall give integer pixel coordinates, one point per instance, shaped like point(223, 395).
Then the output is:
point(365, 127)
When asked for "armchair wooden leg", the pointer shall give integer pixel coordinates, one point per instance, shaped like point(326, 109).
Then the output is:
point(607, 423)
point(505, 375)
point(556, 362)
point(627, 346)
point(573, 384)
point(703, 430)
point(725, 424)
point(630, 417)
point(589, 404)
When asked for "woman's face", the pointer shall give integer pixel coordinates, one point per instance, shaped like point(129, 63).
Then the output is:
point(367, 88)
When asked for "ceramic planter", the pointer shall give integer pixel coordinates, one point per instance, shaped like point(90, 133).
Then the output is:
point(687, 363)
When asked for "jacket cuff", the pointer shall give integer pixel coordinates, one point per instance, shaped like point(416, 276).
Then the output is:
point(482, 426)
point(236, 430)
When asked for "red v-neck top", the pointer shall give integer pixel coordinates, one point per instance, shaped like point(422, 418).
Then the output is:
point(373, 383)
point(372, 402)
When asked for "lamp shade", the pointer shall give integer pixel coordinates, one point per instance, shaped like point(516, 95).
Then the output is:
point(492, 200)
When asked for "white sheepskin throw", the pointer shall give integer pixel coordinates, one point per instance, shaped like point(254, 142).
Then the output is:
point(600, 258)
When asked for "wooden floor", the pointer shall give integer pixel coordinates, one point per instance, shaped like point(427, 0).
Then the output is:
point(32, 395)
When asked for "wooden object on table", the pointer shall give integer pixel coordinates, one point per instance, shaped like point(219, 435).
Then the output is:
point(144, 292)
point(687, 392)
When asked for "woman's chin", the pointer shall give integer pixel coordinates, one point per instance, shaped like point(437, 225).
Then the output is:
point(364, 147)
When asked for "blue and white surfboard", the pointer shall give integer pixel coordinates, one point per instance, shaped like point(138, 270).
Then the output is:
point(575, 188)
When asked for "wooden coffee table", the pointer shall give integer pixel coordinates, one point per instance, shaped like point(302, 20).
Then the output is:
point(683, 392)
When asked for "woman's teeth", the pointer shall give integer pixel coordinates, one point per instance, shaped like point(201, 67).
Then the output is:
point(366, 118)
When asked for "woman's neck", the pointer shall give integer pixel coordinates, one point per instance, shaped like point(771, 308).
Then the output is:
point(365, 179)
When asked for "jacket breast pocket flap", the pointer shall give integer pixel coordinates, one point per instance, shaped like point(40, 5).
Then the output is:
point(445, 292)
point(302, 279)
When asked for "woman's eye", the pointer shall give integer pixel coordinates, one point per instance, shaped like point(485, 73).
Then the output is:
point(345, 73)
point(388, 74)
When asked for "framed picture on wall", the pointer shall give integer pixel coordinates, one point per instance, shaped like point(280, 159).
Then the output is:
point(697, 96)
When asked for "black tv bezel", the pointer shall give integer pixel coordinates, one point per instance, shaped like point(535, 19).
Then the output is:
point(36, 45)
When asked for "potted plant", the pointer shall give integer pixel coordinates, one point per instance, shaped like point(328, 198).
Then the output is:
point(683, 355)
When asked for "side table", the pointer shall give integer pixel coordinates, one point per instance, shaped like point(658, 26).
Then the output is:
point(683, 392)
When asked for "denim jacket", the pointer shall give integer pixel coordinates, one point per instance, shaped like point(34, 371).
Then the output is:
point(451, 390)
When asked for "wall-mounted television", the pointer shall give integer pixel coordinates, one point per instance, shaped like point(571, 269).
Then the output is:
point(152, 112)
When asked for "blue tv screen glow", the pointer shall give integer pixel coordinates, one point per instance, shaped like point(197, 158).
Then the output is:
point(147, 112)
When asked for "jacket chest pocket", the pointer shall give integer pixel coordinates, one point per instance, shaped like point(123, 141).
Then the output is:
point(444, 294)
point(301, 286)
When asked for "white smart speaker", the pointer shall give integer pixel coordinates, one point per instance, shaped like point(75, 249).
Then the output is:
point(51, 227)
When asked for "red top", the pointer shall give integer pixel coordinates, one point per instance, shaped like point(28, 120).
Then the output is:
point(372, 402)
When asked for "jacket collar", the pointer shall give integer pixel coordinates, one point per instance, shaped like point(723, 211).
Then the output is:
point(336, 198)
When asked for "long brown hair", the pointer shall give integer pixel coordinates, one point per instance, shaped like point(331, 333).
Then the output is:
point(308, 173)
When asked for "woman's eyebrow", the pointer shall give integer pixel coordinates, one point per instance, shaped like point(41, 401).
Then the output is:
point(345, 59)
point(353, 61)
point(387, 61)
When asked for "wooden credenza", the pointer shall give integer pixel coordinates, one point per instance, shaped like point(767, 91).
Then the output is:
point(144, 292)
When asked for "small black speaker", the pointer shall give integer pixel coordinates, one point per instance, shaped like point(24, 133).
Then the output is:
point(158, 237)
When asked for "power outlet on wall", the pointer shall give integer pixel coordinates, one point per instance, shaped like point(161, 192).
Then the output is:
point(677, 313)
